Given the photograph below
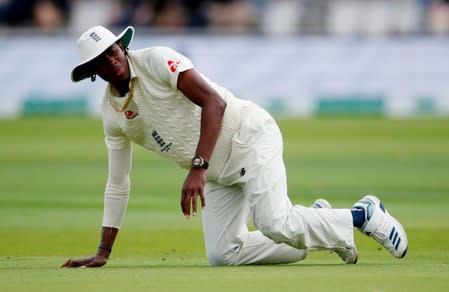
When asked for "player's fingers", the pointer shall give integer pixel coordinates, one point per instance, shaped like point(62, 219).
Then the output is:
point(75, 264)
point(86, 261)
point(187, 200)
point(203, 200)
point(80, 262)
point(194, 198)
point(66, 263)
point(72, 264)
point(183, 197)
point(93, 264)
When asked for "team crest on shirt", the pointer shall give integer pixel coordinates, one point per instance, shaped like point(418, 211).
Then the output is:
point(173, 65)
point(131, 111)
point(130, 114)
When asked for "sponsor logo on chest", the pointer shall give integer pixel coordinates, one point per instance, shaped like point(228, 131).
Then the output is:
point(165, 147)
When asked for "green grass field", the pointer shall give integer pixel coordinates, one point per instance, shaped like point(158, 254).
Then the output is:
point(53, 173)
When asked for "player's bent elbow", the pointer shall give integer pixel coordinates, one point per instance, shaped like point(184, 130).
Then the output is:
point(222, 105)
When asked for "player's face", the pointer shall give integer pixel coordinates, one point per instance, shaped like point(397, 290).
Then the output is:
point(112, 65)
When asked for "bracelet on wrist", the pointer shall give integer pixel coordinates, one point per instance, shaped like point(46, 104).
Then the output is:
point(104, 247)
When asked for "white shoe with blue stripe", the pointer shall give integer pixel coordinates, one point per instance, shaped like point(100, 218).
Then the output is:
point(383, 227)
point(349, 255)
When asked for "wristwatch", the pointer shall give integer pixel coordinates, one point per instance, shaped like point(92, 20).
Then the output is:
point(199, 162)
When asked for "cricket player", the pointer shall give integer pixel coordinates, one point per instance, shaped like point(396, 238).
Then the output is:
point(232, 151)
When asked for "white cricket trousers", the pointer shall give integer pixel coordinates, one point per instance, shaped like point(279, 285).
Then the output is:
point(253, 182)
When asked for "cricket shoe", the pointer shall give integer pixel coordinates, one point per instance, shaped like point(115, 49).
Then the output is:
point(383, 227)
point(349, 255)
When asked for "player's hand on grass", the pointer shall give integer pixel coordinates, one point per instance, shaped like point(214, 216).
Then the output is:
point(192, 189)
point(89, 262)
point(108, 235)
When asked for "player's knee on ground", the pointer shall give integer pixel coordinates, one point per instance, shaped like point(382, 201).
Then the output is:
point(217, 258)
point(224, 256)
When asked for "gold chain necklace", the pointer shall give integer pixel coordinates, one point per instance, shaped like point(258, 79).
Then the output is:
point(127, 101)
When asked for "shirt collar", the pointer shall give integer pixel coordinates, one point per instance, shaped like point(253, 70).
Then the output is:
point(132, 73)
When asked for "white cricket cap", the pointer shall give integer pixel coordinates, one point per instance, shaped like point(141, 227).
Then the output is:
point(92, 43)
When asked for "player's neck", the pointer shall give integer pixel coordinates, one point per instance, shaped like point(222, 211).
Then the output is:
point(122, 88)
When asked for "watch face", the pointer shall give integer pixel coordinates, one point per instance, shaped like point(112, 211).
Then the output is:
point(196, 161)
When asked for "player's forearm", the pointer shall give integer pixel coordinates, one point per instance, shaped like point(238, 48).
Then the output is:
point(114, 213)
point(108, 235)
point(211, 122)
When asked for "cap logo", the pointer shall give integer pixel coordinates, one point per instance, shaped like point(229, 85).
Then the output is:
point(95, 36)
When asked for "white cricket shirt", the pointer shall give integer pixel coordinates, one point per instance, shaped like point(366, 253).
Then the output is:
point(161, 119)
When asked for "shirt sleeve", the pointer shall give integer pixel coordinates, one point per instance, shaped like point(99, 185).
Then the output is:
point(166, 64)
point(117, 187)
